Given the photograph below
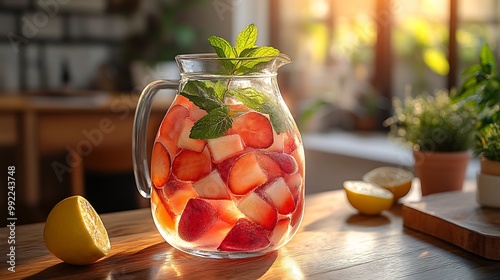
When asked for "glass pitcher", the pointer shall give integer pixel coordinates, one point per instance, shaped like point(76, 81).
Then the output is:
point(227, 167)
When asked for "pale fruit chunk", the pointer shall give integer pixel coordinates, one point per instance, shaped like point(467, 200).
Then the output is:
point(367, 198)
point(394, 179)
point(295, 182)
point(225, 147)
point(185, 142)
point(258, 210)
point(75, 233)
point(246, 174)
point(178, 194)
point(227, 211)
point(162, 213)
point(212, 186)
point(280, 195)
point(279, 231)
point(278, 144)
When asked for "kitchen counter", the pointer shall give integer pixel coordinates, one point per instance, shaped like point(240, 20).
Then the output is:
point(334, 242)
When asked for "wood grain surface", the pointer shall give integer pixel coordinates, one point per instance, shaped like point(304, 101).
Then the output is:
point(334, 242)
point(457, 218)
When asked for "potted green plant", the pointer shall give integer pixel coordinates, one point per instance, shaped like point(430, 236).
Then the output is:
point(481, 90)
point(441, 133)
point(488, 179)
point(488, 149)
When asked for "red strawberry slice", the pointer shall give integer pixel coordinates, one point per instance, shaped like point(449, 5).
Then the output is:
point(181, 100)
point(160, 165)
point(254, 129)
point(270, 166)
point(258, 210)
point(287, 163)
point(225, 166)
point(280, 196)
point(171, 127)
point(299, 157)
point(196, 220)
point(245, 236)
point(245, 174)
point(212, 186)
point(185, 142)
point(191, 165)
point(291, 142)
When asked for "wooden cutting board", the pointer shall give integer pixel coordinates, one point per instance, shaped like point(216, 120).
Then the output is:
point(457, 218)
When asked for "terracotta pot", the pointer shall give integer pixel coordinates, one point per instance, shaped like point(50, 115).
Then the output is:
point(490, 167)
point(441, 172)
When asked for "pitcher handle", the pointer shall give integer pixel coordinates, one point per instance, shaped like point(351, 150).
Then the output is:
point(139, 133)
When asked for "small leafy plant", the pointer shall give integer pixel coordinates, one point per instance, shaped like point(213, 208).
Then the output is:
point(433, 123)
point(240, 59)
point(481, 89)
point(488, 142)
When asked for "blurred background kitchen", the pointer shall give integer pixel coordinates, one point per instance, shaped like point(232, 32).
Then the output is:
point(71, 72)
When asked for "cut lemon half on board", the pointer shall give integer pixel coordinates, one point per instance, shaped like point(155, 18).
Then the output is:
point(396, 180)
point(367, 198)
point(75, 233)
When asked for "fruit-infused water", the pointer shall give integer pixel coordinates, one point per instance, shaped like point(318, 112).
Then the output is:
point(237, 195)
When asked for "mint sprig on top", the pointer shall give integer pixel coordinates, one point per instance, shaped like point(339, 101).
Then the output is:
point(210, 95)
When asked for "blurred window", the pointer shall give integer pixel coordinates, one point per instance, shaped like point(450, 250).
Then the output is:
point(355, 55)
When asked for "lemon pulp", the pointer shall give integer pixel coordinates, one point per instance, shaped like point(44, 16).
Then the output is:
point(75, 233)
point(367, 198)
point(396, 180)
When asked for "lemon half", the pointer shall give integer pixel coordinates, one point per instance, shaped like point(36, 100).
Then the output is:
point(396, 180)
point(75, 233)
point(367, 198)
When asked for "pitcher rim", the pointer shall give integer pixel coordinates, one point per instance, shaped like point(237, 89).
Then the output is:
point(214, 57)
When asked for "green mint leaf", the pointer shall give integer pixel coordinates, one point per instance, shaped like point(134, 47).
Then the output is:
point(246, 39)
point(203, 94)
point(262, 55)
point(278, 117)
point(215, 124)
point(220, 90)
point(222, 47)
point(250, 97)
point(260, 102)
point(246, 52)
point(263, 52)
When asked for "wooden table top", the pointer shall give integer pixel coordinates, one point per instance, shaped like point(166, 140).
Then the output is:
point(334, 242)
